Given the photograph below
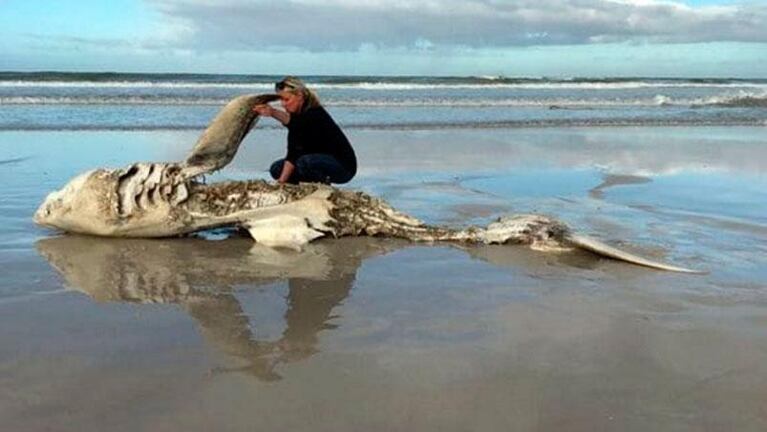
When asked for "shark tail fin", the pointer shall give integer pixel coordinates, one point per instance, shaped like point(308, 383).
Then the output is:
point(603, 249)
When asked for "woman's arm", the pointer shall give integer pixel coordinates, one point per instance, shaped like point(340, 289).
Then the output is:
point(287, 171)
point(269, 111)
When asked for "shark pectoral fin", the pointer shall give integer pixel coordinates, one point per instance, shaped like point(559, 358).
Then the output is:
point(286, 231)
point(603, 249)
point(290, 225)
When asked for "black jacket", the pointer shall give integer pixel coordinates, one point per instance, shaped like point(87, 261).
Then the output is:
point(314, 131)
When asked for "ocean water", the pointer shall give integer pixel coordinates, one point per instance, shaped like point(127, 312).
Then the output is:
point(377, 334)
point(111, 101)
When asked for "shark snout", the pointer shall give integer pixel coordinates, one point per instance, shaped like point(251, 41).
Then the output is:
point(42, 213)
point(48, 209)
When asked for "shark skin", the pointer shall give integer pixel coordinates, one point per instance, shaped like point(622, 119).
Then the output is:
point(169, 199)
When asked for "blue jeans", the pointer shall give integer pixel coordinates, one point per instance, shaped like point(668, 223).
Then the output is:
point(317, 167)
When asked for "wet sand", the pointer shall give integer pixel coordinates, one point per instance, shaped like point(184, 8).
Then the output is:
point(381, 335)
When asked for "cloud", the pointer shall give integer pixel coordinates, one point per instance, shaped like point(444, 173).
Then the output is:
point(343, 25)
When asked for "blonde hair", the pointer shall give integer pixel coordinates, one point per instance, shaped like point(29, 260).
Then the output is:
point(294, 85)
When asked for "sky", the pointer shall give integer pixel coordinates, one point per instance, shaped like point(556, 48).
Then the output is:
point(514, 38)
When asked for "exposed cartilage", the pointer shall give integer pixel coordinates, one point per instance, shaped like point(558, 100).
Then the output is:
point(131, 186)
point(143, 185)
point(180, 194)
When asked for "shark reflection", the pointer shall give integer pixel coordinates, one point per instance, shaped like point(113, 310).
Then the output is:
point(613, 180)
point(203, 276)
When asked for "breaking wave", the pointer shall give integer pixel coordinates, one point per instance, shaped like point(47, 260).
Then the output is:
point(741, 100)
point(660, 100)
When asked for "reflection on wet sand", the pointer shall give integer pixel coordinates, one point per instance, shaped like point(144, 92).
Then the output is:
point(202, 277)
point(612, 180)
point(536, 264)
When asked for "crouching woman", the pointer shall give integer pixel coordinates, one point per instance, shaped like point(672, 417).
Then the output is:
point(318, 150)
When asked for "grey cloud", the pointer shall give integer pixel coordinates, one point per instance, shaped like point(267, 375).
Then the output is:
point(345, 25)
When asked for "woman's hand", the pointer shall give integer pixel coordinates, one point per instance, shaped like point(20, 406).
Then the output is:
point(264, 110)
point(267, 110)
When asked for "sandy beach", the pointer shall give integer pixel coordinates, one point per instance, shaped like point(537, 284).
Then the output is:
point(359, 334)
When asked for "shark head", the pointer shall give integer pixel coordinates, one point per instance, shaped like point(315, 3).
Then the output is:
point(108, 202)
point(82, 205)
